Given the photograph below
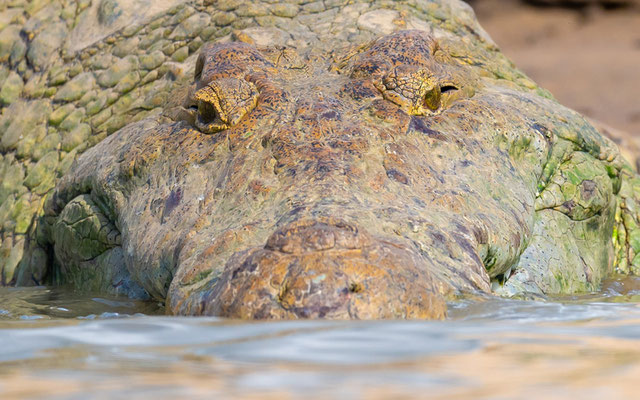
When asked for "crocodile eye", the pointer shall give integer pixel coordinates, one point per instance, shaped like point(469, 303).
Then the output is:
point(450, 93)
point(448, 89)
point(206, 113)
point(207, 117)
point(432, 99)
point(439, 97)
point(222, 103)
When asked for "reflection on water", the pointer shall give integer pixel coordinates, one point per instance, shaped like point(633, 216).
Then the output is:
point(60, 346)
point(40, 303)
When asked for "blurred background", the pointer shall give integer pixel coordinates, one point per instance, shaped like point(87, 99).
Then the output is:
point(585, 52)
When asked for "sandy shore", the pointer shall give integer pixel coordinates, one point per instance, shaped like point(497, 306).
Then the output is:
point(588, 58)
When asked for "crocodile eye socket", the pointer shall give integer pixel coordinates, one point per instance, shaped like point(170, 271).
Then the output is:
point(206, 113)
point(432, 99)
point(448, 89)
point(419, 91)
point(222, 103)
point(440, 97)
point(446, 95)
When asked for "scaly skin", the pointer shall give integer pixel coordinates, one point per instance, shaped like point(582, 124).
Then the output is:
point(371, 167)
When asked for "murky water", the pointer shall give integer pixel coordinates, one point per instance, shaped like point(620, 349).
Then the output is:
point(55, 345)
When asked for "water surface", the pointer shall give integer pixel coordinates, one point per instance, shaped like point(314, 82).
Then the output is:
point(57, 345)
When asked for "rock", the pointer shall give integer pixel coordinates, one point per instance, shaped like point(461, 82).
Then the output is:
point(11, 89)
point(76, 87)
point(157, 22)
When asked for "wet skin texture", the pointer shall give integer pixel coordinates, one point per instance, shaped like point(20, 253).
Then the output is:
point(373, 181)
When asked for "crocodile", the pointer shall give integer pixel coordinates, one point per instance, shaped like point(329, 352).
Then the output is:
point(329, 159)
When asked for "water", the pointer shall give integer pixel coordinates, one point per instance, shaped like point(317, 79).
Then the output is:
point(57, 345)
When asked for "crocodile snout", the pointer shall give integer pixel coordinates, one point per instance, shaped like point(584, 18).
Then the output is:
point(325, 269)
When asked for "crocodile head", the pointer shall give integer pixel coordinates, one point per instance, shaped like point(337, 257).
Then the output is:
point(374, 181)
